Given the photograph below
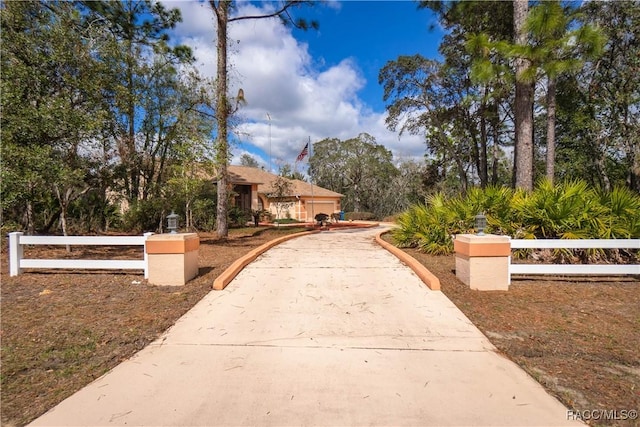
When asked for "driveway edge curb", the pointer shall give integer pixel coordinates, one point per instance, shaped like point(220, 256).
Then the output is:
point(232, 271)
point(421, 271)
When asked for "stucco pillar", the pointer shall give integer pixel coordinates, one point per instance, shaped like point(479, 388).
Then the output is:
point(482, 262)
point(254, 197)
point(172, 258)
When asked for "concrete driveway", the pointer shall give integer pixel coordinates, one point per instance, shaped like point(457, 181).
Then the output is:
point(327, 329)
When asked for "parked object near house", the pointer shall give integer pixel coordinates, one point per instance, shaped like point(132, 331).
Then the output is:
point(253, 188)
point(321, 218)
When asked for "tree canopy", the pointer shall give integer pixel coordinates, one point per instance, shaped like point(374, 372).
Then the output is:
point(525, 95)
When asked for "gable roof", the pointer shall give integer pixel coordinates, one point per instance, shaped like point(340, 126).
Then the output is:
point(246, 175)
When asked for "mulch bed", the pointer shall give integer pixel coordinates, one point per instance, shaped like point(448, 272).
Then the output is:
point(61, 329)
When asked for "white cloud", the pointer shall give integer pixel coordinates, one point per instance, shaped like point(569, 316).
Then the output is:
point(279, 77)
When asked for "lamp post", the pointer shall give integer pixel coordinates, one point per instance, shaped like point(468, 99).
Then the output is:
point(481, 223)
point(172, 222)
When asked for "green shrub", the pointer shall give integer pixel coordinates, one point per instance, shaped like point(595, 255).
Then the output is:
point(286, 221)
point(266, 216)
point(238, 217)
point(567, 210)
point(623, 214)
point(359, 216)
point(144, 215)
point(203, 214)
point(391, 218)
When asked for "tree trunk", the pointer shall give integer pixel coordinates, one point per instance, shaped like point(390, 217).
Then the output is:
point(601, 166)
point(30, 223)
point(483, 172)
point(63, 212)
point(475, 152)
point(462, 173)
point(495, 152)
point(222, 112)
point(634, 176)
point(523, 156)
point(551, 128)
point(130, 145)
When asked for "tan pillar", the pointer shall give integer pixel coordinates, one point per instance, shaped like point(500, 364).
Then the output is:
point(172, 258)
point(482, 262)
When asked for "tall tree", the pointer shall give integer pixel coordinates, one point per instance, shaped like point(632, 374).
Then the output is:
point(248, 160)
point(51, 106)
point(291, 172)
point(611, 91)
point(224, 108)
point(356, 168)
point(432, 99)
point(559, 45)
point(524, 100)
point(137, 55)
point(483, 110)
point(556, 44)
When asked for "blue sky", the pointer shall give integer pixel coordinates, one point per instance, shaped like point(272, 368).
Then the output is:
point(373, 33)
point(313, 84)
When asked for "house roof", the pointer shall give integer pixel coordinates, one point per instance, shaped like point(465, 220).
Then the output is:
point(246, 175)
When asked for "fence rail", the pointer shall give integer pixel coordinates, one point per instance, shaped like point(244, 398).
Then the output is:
point(573, 269)
point(17, 240)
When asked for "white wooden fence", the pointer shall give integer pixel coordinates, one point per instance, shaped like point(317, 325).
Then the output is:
point(609, 269)
point(17, 240)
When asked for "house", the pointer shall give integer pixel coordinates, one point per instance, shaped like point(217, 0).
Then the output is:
point(254, 190)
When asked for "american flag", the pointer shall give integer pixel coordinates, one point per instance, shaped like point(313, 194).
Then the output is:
point(303, 153)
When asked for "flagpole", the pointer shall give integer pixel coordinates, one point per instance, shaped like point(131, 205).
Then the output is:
point(311, 179)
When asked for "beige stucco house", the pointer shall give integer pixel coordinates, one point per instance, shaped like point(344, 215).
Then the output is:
point(253, 189)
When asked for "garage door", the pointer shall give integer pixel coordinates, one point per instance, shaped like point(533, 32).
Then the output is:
point(320, 207)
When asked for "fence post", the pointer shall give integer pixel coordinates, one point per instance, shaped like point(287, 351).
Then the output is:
point(15, 253)
point(146, 257)
point(482, 261)
point(173, 258)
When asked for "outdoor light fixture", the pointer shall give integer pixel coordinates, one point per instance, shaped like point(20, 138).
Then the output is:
point(172, 222)
point(481, 223)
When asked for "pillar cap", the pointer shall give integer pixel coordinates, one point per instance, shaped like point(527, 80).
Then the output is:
point(486, 238)
point(488, 245)
point(179, 243)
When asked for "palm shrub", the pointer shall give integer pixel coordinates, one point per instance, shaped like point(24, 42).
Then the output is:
point(426, 226)
point(496, 204)
point(622, 219)
point(567, 210)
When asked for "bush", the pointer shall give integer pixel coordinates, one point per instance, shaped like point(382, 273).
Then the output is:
point(203, 214)
point(286, 221)
point(266, 216)
point(238, 217)
point(359, 216)
point(391, 218)
point(568, 210)
point(144, 215)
